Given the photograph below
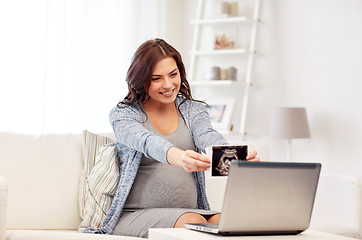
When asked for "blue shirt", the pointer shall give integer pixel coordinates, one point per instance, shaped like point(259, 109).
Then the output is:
point(133, 140)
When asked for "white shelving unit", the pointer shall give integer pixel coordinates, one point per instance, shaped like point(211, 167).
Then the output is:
point(220, 52)
point(241, 57)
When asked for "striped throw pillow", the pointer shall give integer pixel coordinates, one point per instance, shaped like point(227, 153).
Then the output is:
point(99, 179)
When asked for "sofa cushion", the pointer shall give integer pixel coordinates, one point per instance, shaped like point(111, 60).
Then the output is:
point(338, 205)
point(61, 235)
point(99, 178)
point(101, 186)
point(42, 173)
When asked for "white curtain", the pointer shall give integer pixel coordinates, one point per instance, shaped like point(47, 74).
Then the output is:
point(63, 62)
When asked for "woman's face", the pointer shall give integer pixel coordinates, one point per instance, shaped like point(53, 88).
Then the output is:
point(165, 82)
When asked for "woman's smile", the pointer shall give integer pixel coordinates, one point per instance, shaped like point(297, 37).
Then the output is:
point(168, 93)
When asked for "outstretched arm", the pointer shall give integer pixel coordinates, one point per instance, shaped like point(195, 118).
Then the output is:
point(130, 132)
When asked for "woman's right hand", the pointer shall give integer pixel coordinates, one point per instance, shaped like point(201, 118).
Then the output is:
point(189, 160)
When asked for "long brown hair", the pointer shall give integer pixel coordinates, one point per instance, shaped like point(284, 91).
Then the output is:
point(140, 72)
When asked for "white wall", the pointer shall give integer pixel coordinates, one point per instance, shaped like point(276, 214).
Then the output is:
point(63, 65)
point(318, 58)
point(310, 56)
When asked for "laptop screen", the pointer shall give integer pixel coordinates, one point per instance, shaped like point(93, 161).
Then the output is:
point(269, 196)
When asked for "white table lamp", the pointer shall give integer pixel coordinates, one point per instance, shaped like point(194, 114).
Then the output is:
point(289, 123)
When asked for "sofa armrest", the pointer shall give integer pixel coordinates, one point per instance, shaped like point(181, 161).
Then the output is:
point(338, 205)
point(3, 206)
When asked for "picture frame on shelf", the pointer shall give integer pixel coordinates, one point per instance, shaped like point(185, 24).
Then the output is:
point(221, 111)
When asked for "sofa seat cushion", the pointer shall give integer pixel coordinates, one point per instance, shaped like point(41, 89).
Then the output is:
point(61, 235)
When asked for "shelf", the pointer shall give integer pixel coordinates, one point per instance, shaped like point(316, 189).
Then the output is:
point(226, 20)
point(239, 51)
point(217, 83)
point(203, 55)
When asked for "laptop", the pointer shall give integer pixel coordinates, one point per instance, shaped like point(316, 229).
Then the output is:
point(266, 198)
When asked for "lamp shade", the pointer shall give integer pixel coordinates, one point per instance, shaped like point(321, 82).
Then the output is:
point(289, 123)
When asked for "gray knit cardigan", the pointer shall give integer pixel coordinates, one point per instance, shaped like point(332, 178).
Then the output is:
point(134, 141)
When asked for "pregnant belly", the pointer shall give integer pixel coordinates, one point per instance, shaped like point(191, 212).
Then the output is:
point(165, 187)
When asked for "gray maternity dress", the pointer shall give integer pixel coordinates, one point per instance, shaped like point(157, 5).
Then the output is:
point(161, 193)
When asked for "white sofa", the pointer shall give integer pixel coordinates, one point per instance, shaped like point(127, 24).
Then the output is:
point(42, 174)
point(39, 191)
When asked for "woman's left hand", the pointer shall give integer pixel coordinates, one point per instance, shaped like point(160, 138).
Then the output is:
point(252, 156)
